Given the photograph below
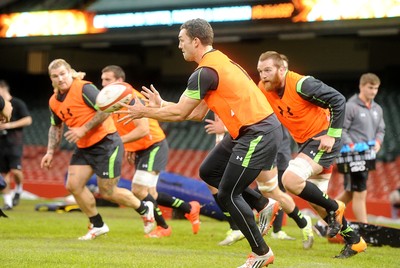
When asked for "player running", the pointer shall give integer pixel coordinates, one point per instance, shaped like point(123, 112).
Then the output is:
point(313, 113)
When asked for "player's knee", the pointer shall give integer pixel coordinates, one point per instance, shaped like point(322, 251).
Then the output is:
point(145, 178)
point(204, 172)
point(139, 191)
point(106, 191)
point(300, 167)
point(73, 188)
point(268, 186)
point(69, 188)
point(206, 175)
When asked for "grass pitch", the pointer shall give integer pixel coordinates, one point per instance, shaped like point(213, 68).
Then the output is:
point(29, 238)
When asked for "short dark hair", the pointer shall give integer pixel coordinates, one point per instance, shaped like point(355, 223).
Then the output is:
point(201, 29)
point(118, 71)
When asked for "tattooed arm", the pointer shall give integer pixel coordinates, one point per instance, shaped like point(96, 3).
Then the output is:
point(74, 134)
point(55, 132)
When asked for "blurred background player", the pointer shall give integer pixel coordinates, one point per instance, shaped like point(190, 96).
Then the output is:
point(5, 110)
point(5, 115)
point(146, 147)
point(363, 123)
point(394, 199)
point(98, 149)
point(11, 144)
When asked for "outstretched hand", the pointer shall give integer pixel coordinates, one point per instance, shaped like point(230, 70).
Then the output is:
point(153, 96)
point(131, 112)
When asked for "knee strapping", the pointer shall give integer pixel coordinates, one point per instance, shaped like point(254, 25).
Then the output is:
point(300, 167)
point(268, 186)
point(145, 178)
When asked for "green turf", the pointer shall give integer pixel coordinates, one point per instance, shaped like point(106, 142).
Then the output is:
point(48, 239)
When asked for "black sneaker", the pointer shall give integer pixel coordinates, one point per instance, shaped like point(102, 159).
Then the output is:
point(335, 219)
point(7, 207)
point(320, 230)
point(16, 199)
point(350, 250)
point(2, 214)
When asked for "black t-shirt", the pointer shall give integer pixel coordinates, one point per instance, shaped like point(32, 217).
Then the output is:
point(201, 81)
point(1, 103)
point(15, 136)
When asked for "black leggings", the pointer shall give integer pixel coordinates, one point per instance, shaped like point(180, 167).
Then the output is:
point(231, 180)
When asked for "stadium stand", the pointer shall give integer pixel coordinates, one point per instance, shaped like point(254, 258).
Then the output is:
point(11, 6)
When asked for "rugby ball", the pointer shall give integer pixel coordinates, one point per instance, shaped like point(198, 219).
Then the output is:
point(109, 97)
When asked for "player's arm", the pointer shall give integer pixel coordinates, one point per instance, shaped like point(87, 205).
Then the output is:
point(199, 112)
point(380, 132)
point(21, 112)
point(200, 82)
point(90, 93)
point(322, 95)
point(174, 112)
point(155, 100)
point(141, 130)
point(54, 139)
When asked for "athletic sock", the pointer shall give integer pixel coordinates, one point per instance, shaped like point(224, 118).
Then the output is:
point(298, 217)
point(142, 209)
point(349, 235)
point(313, 194)
point(280, 174)
point(19, 188)
point(277, 225)
point(170, 201)
point(8, 200)
point(255, 198)
point(158, 217)
point(96, 220)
